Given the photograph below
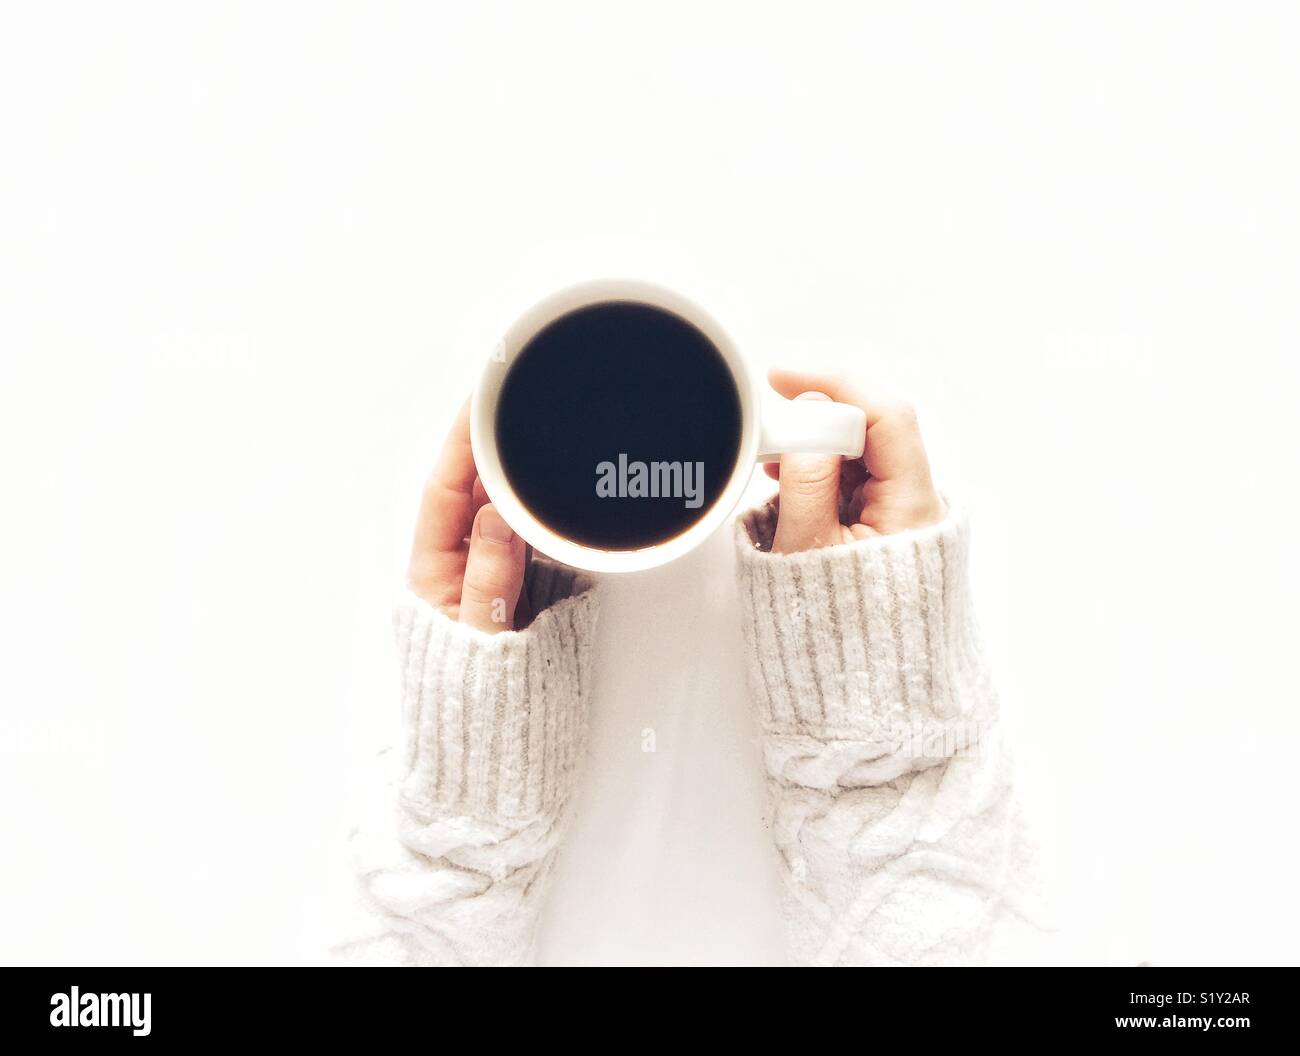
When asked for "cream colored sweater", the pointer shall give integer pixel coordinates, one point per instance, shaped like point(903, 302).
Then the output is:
point(896, 831)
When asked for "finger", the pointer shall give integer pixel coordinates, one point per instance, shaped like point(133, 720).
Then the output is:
point(494, 574)
point(808, 515)
point(894, 449)
point(852, 501)
point(852, 475)
point(446, 514)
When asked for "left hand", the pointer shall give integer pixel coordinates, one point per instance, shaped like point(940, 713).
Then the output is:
point(466, 560)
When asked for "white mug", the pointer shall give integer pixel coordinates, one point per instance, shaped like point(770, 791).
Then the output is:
point(770, 426)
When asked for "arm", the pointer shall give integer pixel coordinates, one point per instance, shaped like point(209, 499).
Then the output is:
point(453, 858)
point(452, 861)
point(893, 809)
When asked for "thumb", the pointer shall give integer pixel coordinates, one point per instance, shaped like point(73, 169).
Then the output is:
point(808, 516)
point(494, 573)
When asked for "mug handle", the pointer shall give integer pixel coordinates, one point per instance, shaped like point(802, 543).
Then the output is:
point(812, 427)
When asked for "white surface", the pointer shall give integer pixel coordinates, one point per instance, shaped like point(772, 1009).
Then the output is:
point(251, 254)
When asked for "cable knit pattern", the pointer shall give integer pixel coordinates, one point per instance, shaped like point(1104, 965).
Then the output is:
point(494, 733)
point(899, 839)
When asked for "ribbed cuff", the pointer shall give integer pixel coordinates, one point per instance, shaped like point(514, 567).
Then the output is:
point(861, 640)
point(495, 724)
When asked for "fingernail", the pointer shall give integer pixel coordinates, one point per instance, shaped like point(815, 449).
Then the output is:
point(492, 527)
point(812, 396)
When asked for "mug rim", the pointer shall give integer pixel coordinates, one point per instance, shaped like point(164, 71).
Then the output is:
point(483, 405)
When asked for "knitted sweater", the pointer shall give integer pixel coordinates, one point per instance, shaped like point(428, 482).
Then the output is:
point(896, 831)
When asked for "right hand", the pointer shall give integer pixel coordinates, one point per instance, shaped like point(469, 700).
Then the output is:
point(466, 561)
point(827, 500)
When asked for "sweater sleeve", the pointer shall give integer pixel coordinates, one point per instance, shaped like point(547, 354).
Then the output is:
point(900, 840)
point(453, 857)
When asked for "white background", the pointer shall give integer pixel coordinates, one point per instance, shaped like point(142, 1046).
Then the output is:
point(252, 253)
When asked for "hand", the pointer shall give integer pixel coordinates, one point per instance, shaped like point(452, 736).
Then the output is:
point(828, 499)
point(466, 560)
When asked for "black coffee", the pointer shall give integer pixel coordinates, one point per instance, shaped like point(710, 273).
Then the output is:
point(618, 425)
